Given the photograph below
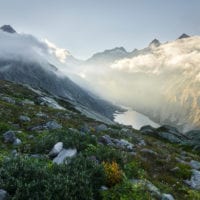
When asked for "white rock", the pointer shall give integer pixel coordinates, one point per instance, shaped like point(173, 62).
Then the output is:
point(64, 154)
point(57, 148)
point(194, 182)
point(3, 194)
point(167, 197)
point(17, 141)
point(24, 118)
point(194, 164)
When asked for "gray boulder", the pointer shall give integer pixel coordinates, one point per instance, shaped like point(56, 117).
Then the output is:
point(8, 100)
point(124, 144)
point(27, 102)
point(17, 141)
point(106, 139)
point(194, 181)
point(3, 194)
point(101, 127)
point(42, 115)
point(9, 137)
point(24, 118)
point(194, 164)
point(149, 151)
point(118, 143)
point(53, 125)
point(167, 197)
point(57, 148)
point(64, 155)
point(147, 130)
point(150, 187)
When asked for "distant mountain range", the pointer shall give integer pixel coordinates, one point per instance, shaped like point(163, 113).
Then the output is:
point(161, 81)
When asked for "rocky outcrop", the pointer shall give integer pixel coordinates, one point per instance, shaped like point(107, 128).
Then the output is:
point(194, 182)
point(57, 148)
point(3, 194)
point(50, 125)
point(118, 143)
point(64, 155)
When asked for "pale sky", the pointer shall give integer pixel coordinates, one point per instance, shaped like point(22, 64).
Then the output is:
point(85, 27)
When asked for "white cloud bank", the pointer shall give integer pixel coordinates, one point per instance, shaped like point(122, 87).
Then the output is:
point(28, 48)
point(163, 81)
point(180, 55)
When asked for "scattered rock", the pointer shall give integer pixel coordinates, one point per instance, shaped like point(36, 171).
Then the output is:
point(124, 144)
point(14, 152)
point(17, 141)
point(151, 188)
point(24, 118)
point(194, 182)
point(175, 169)
point(30, 137)
point(3, 194)
point(85, 128)
point(147, 130)
point(194, 164)
point(149, 151)
point(9, 137)
point(53, 125)
point(42, 115)
point(94, 159)
point(27, 102)
point(63, 155)
point(36, 156)
point(126, 131)
point(103, 188)
point(49, 102)
point(167, 197)
point(56, 149)
point(101, 127)
point(142, 143)
point(118, 143)
point(8, 100)
point(166, 132)
point(106, 139)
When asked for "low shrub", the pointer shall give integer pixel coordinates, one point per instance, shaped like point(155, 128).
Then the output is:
point(107, 154)
point(126, 191)
point(113, 173)
point(29, 178)
point(184, 171)
point(134, 170)
point(193, 195)
point(70, 139)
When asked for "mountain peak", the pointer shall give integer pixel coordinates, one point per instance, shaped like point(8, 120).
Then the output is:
point(116, 49)
point(154, 43)
point(8, 29)
point(184, 36)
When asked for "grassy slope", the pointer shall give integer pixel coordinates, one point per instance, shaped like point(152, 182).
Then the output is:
point(155, 168)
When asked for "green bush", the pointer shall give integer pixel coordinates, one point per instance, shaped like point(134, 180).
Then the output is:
point(126, 191)
point(107, 154)
point(30, 178)
point(184, 171)
point(4, 127)
point(134, 170)
point(193, 195)
point(70, 139)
